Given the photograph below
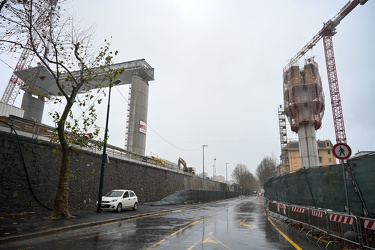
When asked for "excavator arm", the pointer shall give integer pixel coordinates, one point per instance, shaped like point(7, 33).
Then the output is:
point(185, 169)
point(183, 163)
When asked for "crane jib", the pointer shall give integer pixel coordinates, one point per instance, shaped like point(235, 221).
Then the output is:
point(328, 29)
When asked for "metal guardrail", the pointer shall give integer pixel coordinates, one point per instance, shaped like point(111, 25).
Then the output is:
point(281, 208)
point(344, 227)
point(35, 130)
point(277, 210)
point(359, 231)
point(319, 220)
point(299, 214)
point(367, 227)
point(122, 154)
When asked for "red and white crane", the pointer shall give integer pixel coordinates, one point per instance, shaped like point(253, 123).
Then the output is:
point(26, 58)
point(328, 30)
point(14, 84)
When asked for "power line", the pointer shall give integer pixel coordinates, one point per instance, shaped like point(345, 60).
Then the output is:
point(7, 65)
point(148, 125)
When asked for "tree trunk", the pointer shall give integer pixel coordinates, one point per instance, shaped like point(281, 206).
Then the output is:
point(61, 206)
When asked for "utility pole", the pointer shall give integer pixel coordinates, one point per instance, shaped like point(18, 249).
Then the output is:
point(226, 172)
point(203, 159)
point(214, 170)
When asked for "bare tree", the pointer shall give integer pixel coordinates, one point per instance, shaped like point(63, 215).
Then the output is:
point(64, 50)
point(239, 172)
point(244, 177)
point(266, 169)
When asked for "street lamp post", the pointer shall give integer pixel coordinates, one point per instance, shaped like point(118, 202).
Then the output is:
point(203, 159)
point(226, 171)
point(214, 169)
point(104, 155)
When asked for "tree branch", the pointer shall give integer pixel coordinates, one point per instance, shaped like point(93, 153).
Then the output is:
point(3, 2)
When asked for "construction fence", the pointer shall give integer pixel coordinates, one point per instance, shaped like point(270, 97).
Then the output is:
point(325, 224)
point(323, 187)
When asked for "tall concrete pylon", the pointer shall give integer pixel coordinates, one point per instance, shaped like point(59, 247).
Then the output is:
point(135, 140)
point(304, 106)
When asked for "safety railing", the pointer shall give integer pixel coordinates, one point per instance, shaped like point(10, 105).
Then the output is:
point(277, 210)
point(299, 214)
point(281, 209)
point(271, 206)
point(318, 219)
point(367, 226)
point(331, 225)
point(30, 128)
point(122, 154)
point(35, 130)
point(344, 227)
point(319, 222)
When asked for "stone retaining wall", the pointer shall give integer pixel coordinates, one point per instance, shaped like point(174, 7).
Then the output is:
point(32, 176)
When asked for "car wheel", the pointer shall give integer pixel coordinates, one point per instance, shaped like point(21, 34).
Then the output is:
point(119, 208)
point(135, 207)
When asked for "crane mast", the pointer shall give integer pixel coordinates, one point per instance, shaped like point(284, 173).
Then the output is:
point(328, 30)
point(25, 60)
point(334, 91)
point(14, 84)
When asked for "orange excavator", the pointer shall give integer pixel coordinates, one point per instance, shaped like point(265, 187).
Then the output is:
point(185, 169)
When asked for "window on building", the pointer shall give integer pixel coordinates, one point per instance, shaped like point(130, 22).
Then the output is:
point(320, 159)
point(329, 159)
point(329, 152)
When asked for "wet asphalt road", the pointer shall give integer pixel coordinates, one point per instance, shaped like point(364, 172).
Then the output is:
point(231, 224)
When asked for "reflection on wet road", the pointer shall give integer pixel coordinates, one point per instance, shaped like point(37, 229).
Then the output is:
point(235, 224)
point(230, 224)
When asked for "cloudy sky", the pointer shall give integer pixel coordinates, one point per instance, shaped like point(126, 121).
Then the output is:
point(218, 72)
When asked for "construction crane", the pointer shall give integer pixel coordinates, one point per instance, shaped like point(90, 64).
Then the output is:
point(25, 60)
point(14, 84)
point(329, 30)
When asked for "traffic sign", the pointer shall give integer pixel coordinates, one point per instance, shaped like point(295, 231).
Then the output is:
point(342, 151)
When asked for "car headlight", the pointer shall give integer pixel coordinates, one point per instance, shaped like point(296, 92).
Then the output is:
point(114, 200)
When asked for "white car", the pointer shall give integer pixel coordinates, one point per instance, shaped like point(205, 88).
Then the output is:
point(119, 199)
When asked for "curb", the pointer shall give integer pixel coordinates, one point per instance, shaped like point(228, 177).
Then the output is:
point(14, 238)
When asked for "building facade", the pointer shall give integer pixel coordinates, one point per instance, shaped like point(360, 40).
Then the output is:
point(325, 154)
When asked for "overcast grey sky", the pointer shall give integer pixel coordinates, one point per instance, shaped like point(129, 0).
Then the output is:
point(218, 72)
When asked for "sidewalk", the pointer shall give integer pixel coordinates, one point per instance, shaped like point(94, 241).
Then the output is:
point(16, 226)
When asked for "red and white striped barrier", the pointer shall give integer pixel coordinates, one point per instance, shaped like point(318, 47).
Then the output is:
point(298, 209)
point(369, 224)
point(341, 218)
point(281, 206)
point(317, 213)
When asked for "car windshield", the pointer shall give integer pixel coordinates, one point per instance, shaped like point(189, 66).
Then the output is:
point(114, 194)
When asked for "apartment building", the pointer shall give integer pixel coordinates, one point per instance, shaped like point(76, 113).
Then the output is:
point(325, 154)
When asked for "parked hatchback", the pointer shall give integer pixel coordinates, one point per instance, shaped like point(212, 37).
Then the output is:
point(119, 199)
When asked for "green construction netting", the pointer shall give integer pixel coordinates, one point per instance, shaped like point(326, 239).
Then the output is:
point(323, 187)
